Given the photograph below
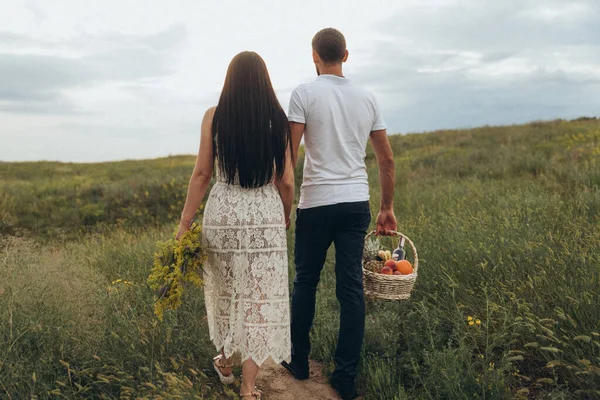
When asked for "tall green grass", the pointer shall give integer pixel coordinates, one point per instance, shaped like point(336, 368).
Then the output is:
point(76, 321)
point(506, 220)
point(62, 200)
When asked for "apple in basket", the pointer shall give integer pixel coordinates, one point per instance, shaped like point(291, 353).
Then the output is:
point(386, 270)
point(391, 264)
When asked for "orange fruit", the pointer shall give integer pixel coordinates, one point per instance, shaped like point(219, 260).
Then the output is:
point(404, 267)
point(386, 271)
point(398, 273)
point(391, 264)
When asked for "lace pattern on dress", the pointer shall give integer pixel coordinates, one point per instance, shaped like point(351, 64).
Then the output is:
point(246, 275)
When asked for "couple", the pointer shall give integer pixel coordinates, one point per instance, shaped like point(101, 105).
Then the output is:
point(254, 147)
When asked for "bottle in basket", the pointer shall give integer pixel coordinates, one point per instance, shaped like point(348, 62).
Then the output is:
point(399, 253)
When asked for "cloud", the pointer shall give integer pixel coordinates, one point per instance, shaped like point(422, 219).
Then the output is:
point(474, 63)
point(37, 12)
point(35, 82)
point(496, 26)
point(15, 39)
point(81, 82)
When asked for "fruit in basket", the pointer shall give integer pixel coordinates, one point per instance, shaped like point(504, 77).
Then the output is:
point(387, 271)
point(391, 264)
point(404, 267)
point(398, 273)
point(384, 255)
point(372, 246)
point(374, 266)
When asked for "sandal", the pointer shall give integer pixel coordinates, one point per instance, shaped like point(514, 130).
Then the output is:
point(257, 394)
point(219, 364)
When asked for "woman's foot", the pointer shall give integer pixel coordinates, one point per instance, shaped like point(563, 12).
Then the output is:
point(253, 395)
point(224, 369)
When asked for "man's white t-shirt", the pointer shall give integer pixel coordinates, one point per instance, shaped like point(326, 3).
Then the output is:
point(339, 118)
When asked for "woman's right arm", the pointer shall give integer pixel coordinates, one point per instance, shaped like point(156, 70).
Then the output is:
point(285, 186)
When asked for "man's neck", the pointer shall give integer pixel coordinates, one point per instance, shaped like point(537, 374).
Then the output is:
point(332, 70)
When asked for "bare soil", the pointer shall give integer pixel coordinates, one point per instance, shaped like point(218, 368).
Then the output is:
point(278, 384)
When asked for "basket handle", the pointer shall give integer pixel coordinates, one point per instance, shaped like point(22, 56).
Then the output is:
point(410, 242)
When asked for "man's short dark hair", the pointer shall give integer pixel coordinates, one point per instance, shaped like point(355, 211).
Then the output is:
point(330, 45)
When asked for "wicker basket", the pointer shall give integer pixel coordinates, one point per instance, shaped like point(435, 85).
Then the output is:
point(391, 287)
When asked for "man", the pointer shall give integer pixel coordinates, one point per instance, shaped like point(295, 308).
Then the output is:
point(336, 119)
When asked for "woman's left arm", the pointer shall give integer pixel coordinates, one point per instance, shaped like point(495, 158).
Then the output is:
point(201, 176)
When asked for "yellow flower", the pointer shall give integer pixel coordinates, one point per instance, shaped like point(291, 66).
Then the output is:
point(175, 262)
point(471, 323)
point(491, 368)
point(469, 318)
point(478, 321)
point(123, 281)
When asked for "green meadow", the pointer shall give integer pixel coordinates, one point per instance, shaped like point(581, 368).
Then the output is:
point(506, 305)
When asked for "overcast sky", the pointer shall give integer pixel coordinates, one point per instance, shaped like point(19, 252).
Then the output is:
point(110, 80)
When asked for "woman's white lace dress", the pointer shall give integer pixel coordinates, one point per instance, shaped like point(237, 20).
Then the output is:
point(246, 276)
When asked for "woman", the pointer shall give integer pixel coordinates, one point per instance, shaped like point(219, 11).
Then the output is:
point(247, 137)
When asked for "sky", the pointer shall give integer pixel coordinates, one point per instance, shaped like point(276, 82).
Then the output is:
point(87, 81)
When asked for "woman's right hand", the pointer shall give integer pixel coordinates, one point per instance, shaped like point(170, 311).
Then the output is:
point(184, 226)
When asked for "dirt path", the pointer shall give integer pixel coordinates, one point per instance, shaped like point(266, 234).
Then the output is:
point(277, 384)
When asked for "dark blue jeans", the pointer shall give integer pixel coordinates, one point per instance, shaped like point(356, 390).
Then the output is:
point(345, 226)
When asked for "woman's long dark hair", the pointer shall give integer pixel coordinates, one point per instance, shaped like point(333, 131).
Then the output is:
point(250, 129)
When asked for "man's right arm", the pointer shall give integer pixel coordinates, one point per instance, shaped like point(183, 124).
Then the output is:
point(297, 118)
point(386, 220)
point(297, 131)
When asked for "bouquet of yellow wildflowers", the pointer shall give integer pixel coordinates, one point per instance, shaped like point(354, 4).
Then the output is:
point(175, 263)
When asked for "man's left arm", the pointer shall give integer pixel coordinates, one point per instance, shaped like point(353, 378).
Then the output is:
point(386, 220)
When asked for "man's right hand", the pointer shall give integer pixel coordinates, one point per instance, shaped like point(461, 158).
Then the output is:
point(386, 223)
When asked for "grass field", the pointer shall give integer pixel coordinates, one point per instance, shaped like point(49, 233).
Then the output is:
point(506, 220)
